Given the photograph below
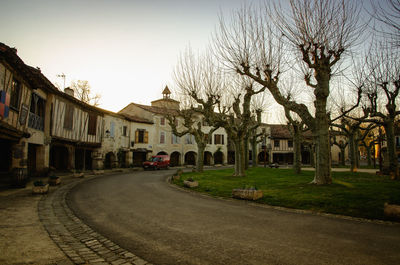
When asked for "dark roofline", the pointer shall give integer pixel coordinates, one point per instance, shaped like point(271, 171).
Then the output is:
point(36, 78)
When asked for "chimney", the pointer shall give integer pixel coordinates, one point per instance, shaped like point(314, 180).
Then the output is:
point(69, 91)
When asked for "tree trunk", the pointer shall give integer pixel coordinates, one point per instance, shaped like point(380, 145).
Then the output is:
point(240, 158)
point(352, 153)
point(236, 145)
point(322, 148)
point(246, 153)
point(391, 147)
point(254, 151)
point(342, 156)
point(200, 157)
point(312, 155)
point(297, 152)
point(368, 148)
point(357, 153)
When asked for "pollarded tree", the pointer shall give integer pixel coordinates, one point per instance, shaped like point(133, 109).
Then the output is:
point(342, 144)
point(192, 124)
point(382, 91)
point(388, 13)
point(296, 129)
point(198, 82)
point(319, 32)
point(355, 132)
point(238, 120)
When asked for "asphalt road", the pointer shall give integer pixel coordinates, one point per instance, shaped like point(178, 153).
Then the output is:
point(165, 225)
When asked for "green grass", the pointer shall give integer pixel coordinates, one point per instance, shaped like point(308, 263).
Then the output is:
point(352, 194)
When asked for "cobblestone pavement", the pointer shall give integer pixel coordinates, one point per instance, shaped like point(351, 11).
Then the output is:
point(77, 240)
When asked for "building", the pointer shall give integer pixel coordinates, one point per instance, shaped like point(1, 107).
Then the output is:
point(153, 135)
point(24, 119)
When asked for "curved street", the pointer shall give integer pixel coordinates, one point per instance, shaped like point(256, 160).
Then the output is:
point(165, 225)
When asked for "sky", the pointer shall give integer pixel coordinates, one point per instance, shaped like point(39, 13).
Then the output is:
point(126, 49)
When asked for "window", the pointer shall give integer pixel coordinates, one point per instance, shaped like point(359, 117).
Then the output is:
point(112, 129)
point(141, 136)
point(290, 143)
point(37, 105)
point(175, 139)
point(36, 113)
point(124, 130)
point(69, 116)
point(209, 138)
point(276, 143)
point(218, 139)
point(15, 95)
point(189, 139)
point(162, 137)
point(162, 121)
point(204, 123)
point(92, 124)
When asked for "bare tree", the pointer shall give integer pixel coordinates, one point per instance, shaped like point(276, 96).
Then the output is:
point(198, 82)
point(388, 13)
point(296, 129)
point(319, 32)
point(192, 124)
point(238, 120)
point(83, 92)
point(382, 90)
point(342, 144)
point(355, 132)
point(369, 143)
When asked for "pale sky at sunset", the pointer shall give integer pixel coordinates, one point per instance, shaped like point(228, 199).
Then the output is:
point(126, 49)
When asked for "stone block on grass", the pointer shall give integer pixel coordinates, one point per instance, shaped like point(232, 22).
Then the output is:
point(247, 194)
point(392, 211)
point(190, 184)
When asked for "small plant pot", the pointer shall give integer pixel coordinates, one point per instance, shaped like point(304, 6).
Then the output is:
point(54, 181)
point(79, 175)
point(247, 194)
point(190, 184)
point(40, 189)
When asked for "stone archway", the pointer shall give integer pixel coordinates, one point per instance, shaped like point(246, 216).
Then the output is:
point(208, 158)
point(162, 153)
point(263, 157)
point(190, 158)
point(110, 160)
point(175, 159)
point(59, 157)
point(231, 157)
point(218, 158)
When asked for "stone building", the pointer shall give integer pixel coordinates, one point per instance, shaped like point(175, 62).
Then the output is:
point(24, 119)
point(153, 136)
point(76, 133)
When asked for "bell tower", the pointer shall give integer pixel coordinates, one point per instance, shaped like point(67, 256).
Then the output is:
point(166, 93)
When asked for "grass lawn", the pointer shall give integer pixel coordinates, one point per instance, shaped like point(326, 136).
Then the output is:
point(352, 194)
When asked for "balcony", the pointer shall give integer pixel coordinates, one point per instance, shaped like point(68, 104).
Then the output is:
point(35, 122)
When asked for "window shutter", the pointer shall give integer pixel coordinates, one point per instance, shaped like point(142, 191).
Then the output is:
point(146, 137)
point(222, 138)
point(112, 129)
point(215, 139)
point(136, 136)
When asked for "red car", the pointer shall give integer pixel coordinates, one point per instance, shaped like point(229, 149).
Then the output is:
point(157, 162)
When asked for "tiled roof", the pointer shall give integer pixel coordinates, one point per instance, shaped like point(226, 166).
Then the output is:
point(281, 131)
point(136, 119)
point(156, 110)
